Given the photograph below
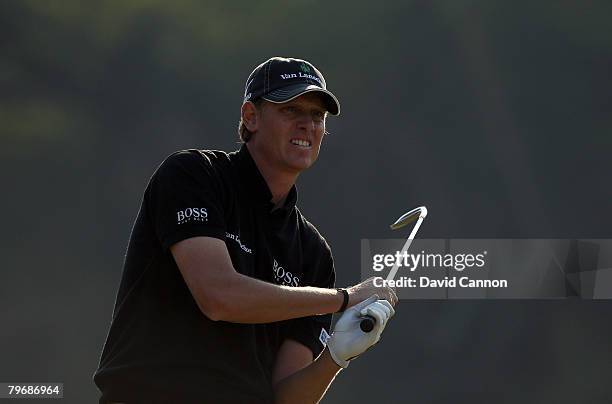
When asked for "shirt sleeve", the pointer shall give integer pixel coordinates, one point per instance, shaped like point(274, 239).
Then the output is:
point(185, 199)
point(314, 331)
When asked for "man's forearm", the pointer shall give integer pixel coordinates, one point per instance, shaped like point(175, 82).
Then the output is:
point(243, 299)
point(309, 384)
point(222, 293)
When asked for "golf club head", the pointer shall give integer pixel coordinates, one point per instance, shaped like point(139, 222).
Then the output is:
point(409, 217)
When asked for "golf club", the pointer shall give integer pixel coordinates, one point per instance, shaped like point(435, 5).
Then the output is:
point(418, 214)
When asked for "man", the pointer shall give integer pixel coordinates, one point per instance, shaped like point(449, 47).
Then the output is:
point(227, 291)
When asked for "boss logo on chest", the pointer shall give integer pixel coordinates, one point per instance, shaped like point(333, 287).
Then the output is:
point(284, 277)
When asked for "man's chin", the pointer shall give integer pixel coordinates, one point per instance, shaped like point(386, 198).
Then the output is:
point(299, 165)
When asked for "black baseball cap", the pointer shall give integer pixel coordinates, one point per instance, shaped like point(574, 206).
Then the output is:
point(280, 79)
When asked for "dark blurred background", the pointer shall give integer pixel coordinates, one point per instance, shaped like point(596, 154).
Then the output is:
point(496, 115)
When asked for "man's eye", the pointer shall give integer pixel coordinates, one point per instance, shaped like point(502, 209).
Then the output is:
point(291, 110)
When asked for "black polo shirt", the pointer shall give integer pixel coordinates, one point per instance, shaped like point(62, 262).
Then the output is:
point(160, 346)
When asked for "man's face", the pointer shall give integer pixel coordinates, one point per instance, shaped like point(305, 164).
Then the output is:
point(289, 135)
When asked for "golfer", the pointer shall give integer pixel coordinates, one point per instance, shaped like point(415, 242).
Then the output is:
point(227, 291)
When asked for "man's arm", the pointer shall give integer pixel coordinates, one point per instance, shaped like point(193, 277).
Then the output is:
point(297, 378)
point(224, 294)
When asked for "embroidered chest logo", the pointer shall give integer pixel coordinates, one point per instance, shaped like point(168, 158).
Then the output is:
point(237, 240)
point(191, 214)
point(283, 277)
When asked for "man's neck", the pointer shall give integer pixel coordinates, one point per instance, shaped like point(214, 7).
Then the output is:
point(278, 182)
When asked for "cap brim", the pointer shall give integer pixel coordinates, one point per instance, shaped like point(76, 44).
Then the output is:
point(289, 93)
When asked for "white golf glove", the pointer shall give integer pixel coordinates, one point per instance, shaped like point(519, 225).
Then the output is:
point(348, 341)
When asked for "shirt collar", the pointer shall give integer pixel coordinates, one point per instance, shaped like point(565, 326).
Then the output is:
point(256, 185)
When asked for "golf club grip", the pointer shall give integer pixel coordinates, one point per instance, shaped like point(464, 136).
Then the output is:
point(367, 323)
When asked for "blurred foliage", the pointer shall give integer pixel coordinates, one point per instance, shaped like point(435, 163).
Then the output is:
point(70, 55)
point(495, 114)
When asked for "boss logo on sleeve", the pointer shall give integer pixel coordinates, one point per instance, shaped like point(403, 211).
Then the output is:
point(191, 214)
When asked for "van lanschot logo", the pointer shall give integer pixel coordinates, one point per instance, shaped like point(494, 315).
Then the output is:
point(304, 67)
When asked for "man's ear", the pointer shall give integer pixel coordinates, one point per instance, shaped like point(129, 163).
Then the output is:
point(250, 116)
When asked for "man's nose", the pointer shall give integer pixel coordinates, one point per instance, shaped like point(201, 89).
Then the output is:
point(306, 121)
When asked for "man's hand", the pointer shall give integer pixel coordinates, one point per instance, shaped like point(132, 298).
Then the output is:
point(365, 289)
point(347, 340)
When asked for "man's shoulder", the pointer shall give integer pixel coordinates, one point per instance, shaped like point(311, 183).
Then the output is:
point(194, 169)
point(199, 156)
point(195, 161)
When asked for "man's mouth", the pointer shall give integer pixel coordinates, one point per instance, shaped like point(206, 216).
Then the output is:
point(301, 142)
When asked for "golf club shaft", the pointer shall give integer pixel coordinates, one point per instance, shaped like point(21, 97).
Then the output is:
point(395, 267)
point(368, 322)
